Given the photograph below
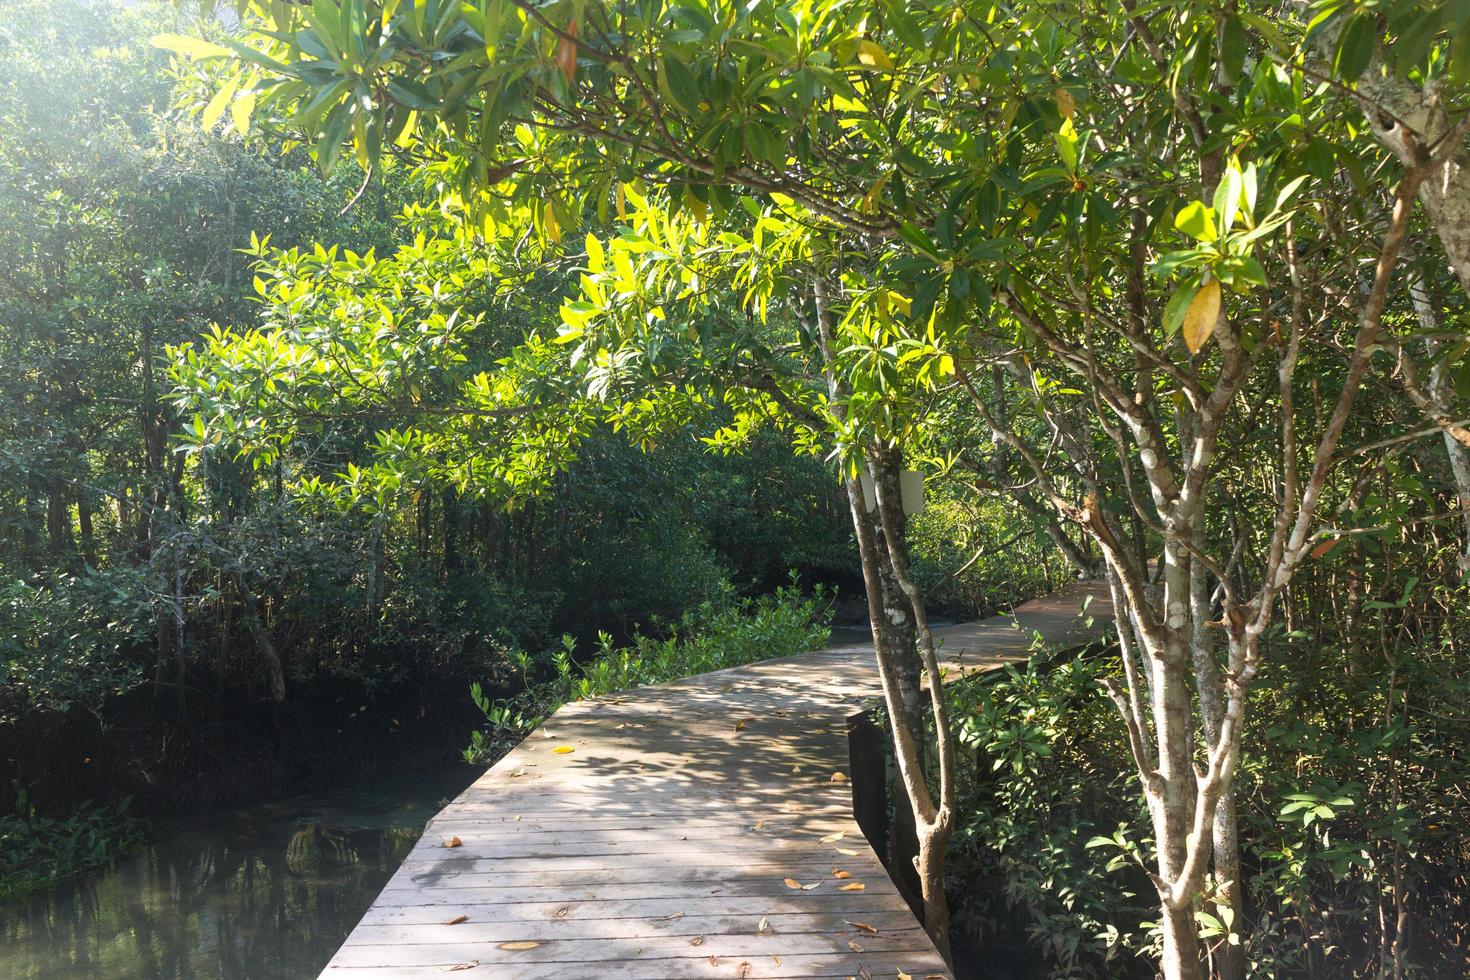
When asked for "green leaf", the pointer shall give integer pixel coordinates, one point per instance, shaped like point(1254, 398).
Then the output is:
point(1178, 303)
point(1067, 145)
point(679, 84)
point(1197, 221)
point(218, 104)
point(1355, 47)
point(191, 47)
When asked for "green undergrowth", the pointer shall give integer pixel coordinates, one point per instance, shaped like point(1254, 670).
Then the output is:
point(713, 636)
point(37, 851)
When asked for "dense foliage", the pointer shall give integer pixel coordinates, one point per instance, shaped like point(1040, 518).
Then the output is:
point(1173, 294)
point(191, 626)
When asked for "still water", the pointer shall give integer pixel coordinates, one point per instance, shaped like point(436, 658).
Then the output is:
point(260, 893)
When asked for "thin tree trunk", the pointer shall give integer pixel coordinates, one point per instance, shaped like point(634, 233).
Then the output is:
point(888, 619)
point(84, 526)
point(264, 646)
point(1229, 956)
point(1438, 391)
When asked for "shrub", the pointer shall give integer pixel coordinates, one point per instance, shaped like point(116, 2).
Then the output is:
point(713, 636)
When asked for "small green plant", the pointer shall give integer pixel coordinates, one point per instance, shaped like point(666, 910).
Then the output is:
point(710, 637)
point(37, 851)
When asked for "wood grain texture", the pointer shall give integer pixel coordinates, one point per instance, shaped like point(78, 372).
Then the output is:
point(696, 829)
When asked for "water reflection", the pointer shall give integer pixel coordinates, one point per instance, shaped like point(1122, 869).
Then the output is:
point(261, 893)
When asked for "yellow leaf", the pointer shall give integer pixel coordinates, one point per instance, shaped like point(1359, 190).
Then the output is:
point(871, 53)
point(871, 930)
point(519, 945)
point(549, 224)
point(563, 749)
point(846, 850)
point(793, 883)
point(839, 873)
point(765, 924)
point(216, 106)
point(831, 837)
point(852, 886)
point(838, 777)
point(453, 842)
point(456, 920)
point(241, 110)
point(1066, 105)
point(1200, 317)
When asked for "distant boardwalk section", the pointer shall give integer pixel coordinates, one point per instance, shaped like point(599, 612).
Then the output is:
point(696, 829)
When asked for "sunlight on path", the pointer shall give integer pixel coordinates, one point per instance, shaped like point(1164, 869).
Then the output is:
point(696, 829)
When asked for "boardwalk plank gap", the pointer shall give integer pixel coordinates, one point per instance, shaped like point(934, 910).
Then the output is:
point(702, 828)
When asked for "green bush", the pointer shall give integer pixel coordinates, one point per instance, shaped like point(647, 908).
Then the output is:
point(38, 851)
point(713, 636)
point(1351, 813)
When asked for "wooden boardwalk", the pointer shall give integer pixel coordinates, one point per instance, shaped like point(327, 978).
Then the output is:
point(696, 829)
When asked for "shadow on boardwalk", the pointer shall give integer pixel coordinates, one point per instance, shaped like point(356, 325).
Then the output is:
point(696, 829)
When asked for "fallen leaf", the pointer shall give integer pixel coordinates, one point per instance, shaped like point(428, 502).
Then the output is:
point(454, 842)
point(854, 945)
point(852, 886)
point(793, 883)
point(740, 725)
point(744, 969)
point(831, 837)
point(864, 972)
point(464, 966)
point(697, 941)
point(563, 749)
point(838, 777)
point(839, 873)
point(765, 924)
point(456, 920)
point(759, 824)
point(807, 888)
point(871, 930)
point(673, 915)
point(776, 958)
point(561, 913)
point(520, 944)
point(846, 850)
point(904, 976)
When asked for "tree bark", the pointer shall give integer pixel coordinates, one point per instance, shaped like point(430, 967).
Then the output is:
point(264, 646)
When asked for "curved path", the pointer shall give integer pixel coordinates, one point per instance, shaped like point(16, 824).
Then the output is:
point(696, 829)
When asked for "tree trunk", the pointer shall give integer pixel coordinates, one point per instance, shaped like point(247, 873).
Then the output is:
point(84, 527)
point(264, 646)
point(887, 619)
point(1181, 945)
point(1229, 956)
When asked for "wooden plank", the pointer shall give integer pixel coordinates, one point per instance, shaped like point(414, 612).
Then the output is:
point(694, 829)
